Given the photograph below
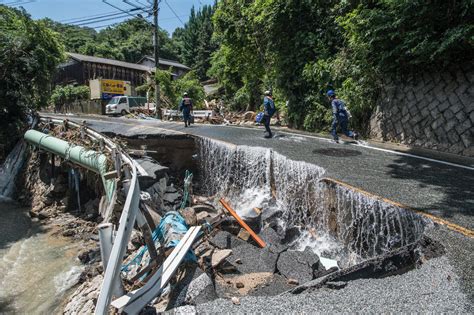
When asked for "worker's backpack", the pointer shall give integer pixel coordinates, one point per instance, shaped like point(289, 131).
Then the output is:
point(271, 108)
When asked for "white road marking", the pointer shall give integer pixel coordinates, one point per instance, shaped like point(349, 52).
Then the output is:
point(363, 145)
point(330, 141)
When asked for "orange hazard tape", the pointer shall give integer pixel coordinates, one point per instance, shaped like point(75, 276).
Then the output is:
point(257, 239)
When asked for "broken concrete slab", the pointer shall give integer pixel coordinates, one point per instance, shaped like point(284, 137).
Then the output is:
point(273, 240)
point(195, 288)
point(156, 191)
point(154, 170)
point(189, 216)
point(298, 265)
point(225, 240)
point(253, 259)
point(395, 262)
point(172, 198)
point(219, 255)
point(292, 234)
point(253, 218)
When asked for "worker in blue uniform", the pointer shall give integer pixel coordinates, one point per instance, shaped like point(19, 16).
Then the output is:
point(340, 117)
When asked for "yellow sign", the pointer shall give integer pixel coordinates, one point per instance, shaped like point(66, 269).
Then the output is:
point(113, 86)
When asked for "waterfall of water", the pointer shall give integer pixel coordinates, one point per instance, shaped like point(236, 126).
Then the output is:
point(10, 168)
point(346, 224)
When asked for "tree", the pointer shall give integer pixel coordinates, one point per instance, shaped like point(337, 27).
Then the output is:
point(29, 54)
point(195, 41)
point(172, 90)
point(128, 41)
point(238, 64)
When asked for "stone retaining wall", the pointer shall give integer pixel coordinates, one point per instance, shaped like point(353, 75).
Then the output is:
point(431, 110)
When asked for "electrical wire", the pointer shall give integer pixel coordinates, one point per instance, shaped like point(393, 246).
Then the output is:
point(19, 2)
point(85, 19)
point(169, 6)
point(113, 24)
point(102, 20)
point(87, 16)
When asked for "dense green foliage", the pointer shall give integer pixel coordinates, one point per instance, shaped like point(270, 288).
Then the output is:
point(172, 90)
point(62, 96)
point(195, 42)
point(298, 49)
point(29, 54)
point(303, 48)
point(127, 41)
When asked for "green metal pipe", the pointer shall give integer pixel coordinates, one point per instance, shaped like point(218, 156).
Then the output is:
point(90, 159)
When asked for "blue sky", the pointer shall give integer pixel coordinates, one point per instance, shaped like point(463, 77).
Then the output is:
point(66, 10)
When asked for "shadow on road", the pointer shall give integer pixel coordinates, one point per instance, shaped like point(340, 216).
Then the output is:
point(453, 187)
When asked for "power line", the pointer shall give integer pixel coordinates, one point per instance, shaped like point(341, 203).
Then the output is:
point(19, 2)
point(174, 12)
point(102, 20)
point(116, 23)
point(101, 15)
point(106, 17)
point(116, 7)
point(87, 16)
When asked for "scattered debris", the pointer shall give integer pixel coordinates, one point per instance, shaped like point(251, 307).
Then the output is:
point(298, 265)
point(219, 256)
point(293, 281)
point(256, 238)
point(243, 235)
point(235, 300)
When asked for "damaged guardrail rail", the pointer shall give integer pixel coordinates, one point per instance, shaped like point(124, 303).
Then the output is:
point(96, 162)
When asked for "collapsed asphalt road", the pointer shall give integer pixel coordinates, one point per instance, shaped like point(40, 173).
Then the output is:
point(440, 189)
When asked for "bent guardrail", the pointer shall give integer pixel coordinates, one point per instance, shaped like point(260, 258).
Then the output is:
point(129, 212)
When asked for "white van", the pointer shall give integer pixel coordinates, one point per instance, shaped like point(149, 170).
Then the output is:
point(121, 105)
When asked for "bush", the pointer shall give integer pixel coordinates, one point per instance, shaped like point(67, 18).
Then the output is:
point(63, 96)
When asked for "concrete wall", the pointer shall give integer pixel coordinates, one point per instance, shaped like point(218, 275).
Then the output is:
point(431, 110)
point(84, 107)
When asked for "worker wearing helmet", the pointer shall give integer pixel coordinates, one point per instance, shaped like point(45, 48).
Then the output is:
point(268, 110)
point(340, 117)
point(186, 107)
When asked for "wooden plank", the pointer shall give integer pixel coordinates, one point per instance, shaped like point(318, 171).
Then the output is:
point(256, 238)
point(134, 301)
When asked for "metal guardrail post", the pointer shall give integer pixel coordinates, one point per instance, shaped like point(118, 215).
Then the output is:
point(113, 243)
point(105, 239)
point(127, 220)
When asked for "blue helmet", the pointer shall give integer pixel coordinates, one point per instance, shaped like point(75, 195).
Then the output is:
point(331, 93)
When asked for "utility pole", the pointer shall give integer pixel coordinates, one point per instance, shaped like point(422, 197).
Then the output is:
point(157, 58)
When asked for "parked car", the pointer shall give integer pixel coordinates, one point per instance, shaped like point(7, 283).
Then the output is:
point(121, 105)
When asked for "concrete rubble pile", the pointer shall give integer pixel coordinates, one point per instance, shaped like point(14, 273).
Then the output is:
point(226, 263)
point(247, 118)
